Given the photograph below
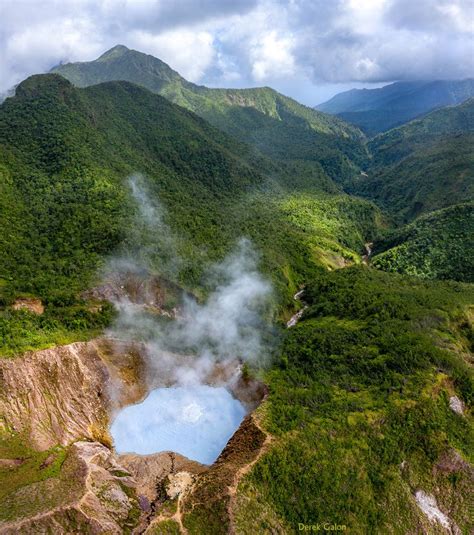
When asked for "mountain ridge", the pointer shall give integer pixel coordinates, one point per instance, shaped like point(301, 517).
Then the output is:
point(77, 73)
point(380, 109)
point(424, 165)
point(77, 145)
point(275, 124)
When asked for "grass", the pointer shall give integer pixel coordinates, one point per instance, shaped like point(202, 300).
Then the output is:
point(34, 467)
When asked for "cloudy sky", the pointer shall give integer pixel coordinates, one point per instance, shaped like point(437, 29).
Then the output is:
point(309, 49)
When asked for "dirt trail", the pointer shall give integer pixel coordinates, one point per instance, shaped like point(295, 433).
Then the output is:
point(177, 517)
point(242, 472)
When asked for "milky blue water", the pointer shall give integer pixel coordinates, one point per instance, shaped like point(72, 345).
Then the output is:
point(195, 421)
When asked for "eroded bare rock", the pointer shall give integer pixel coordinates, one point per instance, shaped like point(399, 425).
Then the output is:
point(456, 405)
point(150, 471)
point(153, 293)
point(92, 494)
point(55, 396)
point(451, 461)
point(31, 304)
point(67, 396)
point(429, 506)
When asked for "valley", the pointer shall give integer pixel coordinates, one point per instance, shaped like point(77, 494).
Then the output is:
point(163, 243)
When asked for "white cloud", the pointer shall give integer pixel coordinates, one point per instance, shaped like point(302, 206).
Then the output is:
point(189, 52)
point(272, 57)
point(248, 42)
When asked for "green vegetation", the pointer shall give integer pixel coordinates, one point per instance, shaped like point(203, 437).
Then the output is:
point(362, 386)
point(27, 465)
point(21, 330)
point(165, 527)
point(66, 154)
point(23, 466)
point(439, 245)
point(422, 166)
point(277, 125)
point(121, 63)
point(334, 226)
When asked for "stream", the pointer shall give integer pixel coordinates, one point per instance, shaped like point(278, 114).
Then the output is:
point(296, 317)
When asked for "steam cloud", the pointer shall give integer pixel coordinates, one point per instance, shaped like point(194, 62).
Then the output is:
point(226, 327)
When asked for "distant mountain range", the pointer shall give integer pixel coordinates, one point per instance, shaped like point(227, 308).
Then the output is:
point(422, 166)
point(377, 110)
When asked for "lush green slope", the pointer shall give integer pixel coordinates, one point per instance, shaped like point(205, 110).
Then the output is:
point(358, 402)
point(439, 245)
point(423, 166)
point(358, 406)
point(276, 124)
point(377, 110)
point(65, 150)
point(65, 205)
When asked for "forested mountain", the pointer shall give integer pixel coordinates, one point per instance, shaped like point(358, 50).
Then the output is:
point(65, 157)
point(359, 406)
point(424, 165)
point(366, 393)
point(377, 110)
point(277, 125)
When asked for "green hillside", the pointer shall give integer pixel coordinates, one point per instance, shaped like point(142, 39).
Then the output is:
point(71, 149)
point(439, 245)
point(356, 412)
point(65, 158)
point(424, 165)
point(275, 124)
point(358, 406)
point(408, 171)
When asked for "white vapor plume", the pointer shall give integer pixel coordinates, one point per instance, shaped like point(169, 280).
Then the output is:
point(151, 244)
point(230, 324)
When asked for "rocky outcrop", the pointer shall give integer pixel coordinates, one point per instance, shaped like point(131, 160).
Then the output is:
point(62, 399)
point(151, 471)
point(55, 396)
point(59, 395)
point(31, 304)
point(208, 504)
point(456, 405)
point(93, 494)
point(155, 294)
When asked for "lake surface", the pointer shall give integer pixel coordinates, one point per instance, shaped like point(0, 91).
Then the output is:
point(195, 421)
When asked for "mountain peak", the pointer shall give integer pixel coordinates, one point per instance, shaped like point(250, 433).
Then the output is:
point(114, 52)
point(42, 84)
